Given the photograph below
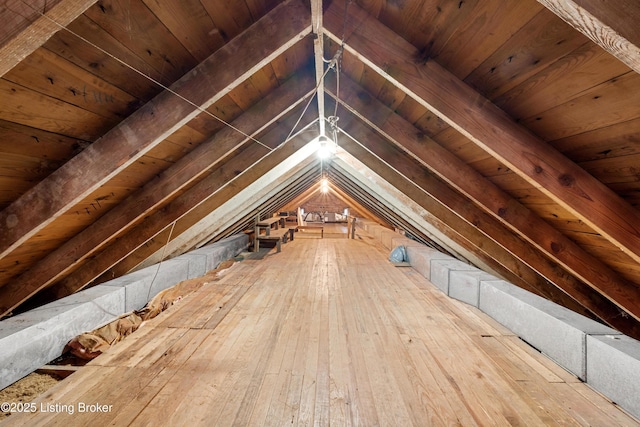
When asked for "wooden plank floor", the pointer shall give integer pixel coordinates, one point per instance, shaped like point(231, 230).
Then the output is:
point(327, 332)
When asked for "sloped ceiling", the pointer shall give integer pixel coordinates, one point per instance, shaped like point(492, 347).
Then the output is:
point(505, 133)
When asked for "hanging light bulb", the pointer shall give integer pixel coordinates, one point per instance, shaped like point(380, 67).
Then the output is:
point(324, 185)
point(324, 149)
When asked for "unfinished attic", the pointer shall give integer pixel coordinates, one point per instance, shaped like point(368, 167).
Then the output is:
point(365, 212)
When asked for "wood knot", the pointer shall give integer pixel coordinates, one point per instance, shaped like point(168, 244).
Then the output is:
point(538, 169)
point(556, 247)
point(566, 180)
point(502, 212)
point(12, 220)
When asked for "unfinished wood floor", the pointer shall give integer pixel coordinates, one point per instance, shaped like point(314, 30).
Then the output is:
point(326, 332)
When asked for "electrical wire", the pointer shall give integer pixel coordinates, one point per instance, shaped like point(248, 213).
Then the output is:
point(156, 82)
point(334, 62)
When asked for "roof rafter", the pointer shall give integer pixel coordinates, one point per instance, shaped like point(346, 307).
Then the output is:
point(525, 266)
point(185, 210)
point(499, 204)
point(152, 123)
point(318, 52)
point(402, 173)
point(502, 246)
point(273, 186)
point(392, 205)
point(381, 213)
point(187, 170)
point(488, 127)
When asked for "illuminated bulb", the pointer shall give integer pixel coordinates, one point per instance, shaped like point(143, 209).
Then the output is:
point(323, 151)
point(324, 185)
point(326, 147)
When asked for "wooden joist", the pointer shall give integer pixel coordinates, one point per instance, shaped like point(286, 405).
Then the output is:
point(496, 245)
point(496, 202)
point(152, 123)
point(189, 208)
point(487, 126)
point(189, 169)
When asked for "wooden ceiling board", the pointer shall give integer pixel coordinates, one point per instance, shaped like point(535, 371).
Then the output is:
point(293, 60)
point(616, 102)
point(190, 24)
point(25, 166)
point(412, 111)
point(483, 31)
point(259, 8)
point(490, 167)
point(616, 170)
point(254, 88)
point(11, 188)
point(460, 145)
point(540, 42)
point(391, 95)
point(511, 181)
point(186, 137)
point(110, 60)
point(209, 122)
point(602, 143)
point(565, 79)
point(429, 123)
point(133, 25)
point(51, 75)
point(50, 114)
point(168, 152)
point(229, 18)
point(407, 17)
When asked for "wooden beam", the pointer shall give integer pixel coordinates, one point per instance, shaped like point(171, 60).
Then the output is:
point(189, 207)
point(184, 172)
point(613, 25)
point(214, 216)
point(487, 126)
point(353, 203)
point(493, 200)
point(152, 123)
point(25, 28)
point(475, 220)
point(265, 193)
point(318, 55)
point(379, 213)
point(275, 188)
point(387, 197)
